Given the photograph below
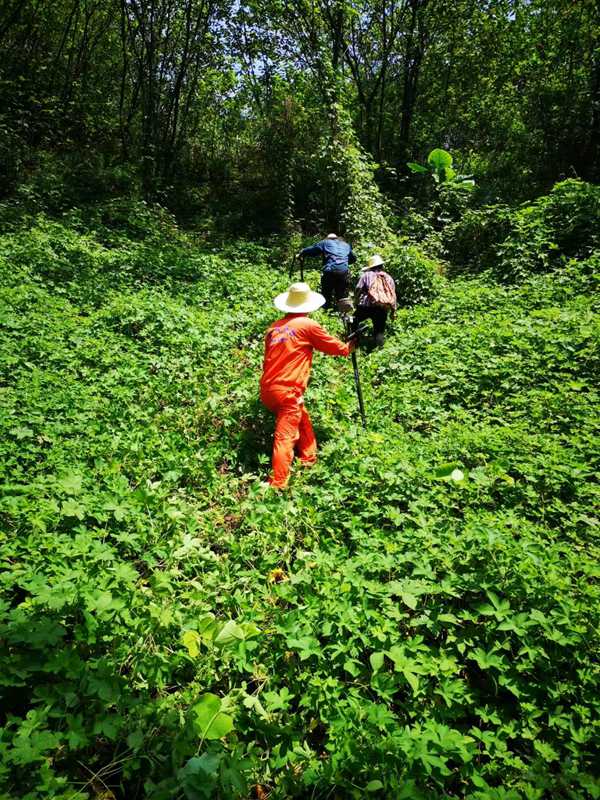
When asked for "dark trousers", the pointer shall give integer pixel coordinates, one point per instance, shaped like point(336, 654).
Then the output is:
point(334, 286)
point(378, 316)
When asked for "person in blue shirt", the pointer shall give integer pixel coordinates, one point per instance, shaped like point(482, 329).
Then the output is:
point(336, 255)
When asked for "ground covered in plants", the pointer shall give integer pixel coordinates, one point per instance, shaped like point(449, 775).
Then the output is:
point(418, 617)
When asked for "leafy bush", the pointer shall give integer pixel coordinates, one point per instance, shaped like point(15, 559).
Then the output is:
point(417, 276)
point(55, 183)
point(412, 223)
point(536, 237)
point(471, 243)
point(563, 224)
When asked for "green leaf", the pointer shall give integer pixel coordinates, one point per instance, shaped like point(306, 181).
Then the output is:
point(21, 432)
point(230, 633)
point(207, 627)
point(191, 641)
point(71, 483)
point(412, 680)
point(210, 722)
point(414, 167)
point(547, 752)
point(439, 159)
point(71, 508)
point(409, 599)
point(373, 786)
point(135, 739)
point(449, 173)
point(448, 472)
point(376, 660)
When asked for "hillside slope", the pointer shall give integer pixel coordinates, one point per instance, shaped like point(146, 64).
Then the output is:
point(171, 630)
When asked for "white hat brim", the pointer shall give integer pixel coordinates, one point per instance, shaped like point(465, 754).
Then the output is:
point(314, 301)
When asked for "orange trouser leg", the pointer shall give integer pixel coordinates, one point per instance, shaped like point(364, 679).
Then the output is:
point(307, 442)
point(291, 426)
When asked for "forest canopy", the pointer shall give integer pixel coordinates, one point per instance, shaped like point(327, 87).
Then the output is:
point(252, 114)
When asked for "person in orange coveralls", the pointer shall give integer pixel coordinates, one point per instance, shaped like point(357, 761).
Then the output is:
point(289, 345)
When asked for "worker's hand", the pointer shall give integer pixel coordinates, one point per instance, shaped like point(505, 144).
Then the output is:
point(353, 344)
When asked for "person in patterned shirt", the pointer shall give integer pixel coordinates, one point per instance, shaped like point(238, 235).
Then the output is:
point(375, 297)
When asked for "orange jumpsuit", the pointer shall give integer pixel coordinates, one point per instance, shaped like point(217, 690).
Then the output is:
point(289, 345)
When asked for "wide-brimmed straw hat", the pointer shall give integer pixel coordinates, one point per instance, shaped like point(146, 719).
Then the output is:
point(374, 261)
point(299, 299)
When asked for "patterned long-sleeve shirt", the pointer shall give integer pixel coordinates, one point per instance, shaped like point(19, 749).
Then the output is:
point(365, 283)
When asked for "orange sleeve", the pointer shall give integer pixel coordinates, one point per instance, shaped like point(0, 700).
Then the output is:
point(323, 341)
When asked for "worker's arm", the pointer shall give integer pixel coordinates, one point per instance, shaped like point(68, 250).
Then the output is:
point(351, 257)
point(323, 341)
point(360, 288)
point(312, 250)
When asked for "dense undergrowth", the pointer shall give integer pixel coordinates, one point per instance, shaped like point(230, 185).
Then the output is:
point(382, 629)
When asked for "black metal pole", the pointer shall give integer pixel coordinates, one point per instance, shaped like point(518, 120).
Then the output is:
point(361, 402)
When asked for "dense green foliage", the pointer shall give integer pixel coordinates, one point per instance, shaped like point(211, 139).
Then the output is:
point(535, 238)
point(417, 617)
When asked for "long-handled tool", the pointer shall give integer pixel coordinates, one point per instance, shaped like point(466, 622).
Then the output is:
point(344, 307)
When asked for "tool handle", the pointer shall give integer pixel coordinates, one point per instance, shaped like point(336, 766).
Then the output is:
point(361, 402)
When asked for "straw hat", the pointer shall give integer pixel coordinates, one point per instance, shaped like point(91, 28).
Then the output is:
point(299, 299)
point(374, 261)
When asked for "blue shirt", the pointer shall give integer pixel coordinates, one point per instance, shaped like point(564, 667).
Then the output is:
point(336, 254)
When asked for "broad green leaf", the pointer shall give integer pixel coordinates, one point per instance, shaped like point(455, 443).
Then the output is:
point(374, 786)
point(352, 667)
point(71, 508)
point(414, 167)
point(21, 432)
point(135, 739)
point(412, 680)
point(439, 159)
point(447, 472)
point(207, 627)
point(191, 640)
point(547, 752)
point(230, 633)
point(210, 722)
point(449, 173)
point(71, 483)
point(376, 660)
